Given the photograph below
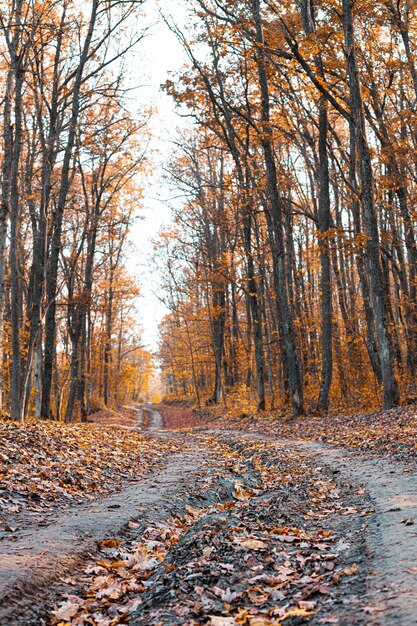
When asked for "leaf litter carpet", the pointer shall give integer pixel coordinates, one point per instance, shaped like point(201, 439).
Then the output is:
point(228, 529)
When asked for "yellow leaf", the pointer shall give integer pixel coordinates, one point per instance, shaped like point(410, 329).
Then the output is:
point(192, 511)
point(349, 571)
point(297, 612)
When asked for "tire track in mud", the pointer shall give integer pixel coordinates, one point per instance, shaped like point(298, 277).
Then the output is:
point(391, 536)
point(40, 556)
point(391, 533)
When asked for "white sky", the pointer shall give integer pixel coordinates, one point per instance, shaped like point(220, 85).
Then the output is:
point(157, 55)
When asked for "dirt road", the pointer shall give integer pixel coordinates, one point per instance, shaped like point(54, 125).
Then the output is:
point(391, 536)
point(379, 536)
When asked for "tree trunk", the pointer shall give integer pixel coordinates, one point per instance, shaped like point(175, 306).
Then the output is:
point(324, 223)
point(108, 342)
point(391, 395)
point(256, 313)
point(294, 377)
point(5, 210)
point(16, 382)
point(52, 273)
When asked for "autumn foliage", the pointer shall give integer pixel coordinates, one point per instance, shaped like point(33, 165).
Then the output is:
point(291, 274)
point(72, 155)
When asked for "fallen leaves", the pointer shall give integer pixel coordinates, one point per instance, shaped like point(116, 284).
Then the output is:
point(67, 611)
point(180, 414)
point(109, 543)
point(44, 465)
point(392, 432)
point(192, 511)
point(350, 571)
point(257, 596)
point(263, 559)
point(297, 612)
point(239, 492)
point(113, 584)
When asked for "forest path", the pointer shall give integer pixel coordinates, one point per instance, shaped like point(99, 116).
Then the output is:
point(149, 419)
point(383, 541)
point(391, 529)
point(391, 535)
point(36, 558)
